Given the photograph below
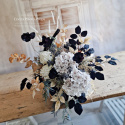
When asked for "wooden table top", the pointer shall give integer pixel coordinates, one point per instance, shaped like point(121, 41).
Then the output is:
point(15, 104)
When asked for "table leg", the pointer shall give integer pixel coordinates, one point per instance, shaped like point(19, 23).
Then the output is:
point(101, 105)
point(124, 119)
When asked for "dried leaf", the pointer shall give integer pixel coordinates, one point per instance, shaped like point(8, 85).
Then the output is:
point(86, 40)
point(15, 55)
point(71, 50)
point(42, 85)
point(65, 25)
point(80, 40)
point(54, 99)
point(35, 84)
point(37, 80)
point(34, 93)
point(33, 81)
point(12, 56)
point(62, 30)
point(11, 60)
point(22, 60)
point(66, 30)
point(23, 56)
point(18, 59)
point(57, 106)
point(35, 58)
point(58, 44)
point(34, 67)
point(39, 66)
point(28, 59)
point(52, 84)
point(62, 99)
point(37, 89)
point(28, 64)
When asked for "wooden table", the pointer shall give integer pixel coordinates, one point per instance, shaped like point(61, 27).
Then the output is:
point(15, 104)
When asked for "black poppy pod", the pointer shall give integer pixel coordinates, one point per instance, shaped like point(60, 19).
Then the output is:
point(78, 57)
point(27, 36)
point(47, 41)
point(53, 73)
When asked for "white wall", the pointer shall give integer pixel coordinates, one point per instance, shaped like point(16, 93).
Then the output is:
point(110, 20)
point(10, 40)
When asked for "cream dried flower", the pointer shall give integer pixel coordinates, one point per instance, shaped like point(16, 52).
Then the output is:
point(44, 72)
point(45, 56)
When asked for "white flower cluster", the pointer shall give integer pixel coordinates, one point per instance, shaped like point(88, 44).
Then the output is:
point(78, 83)
point(45, 56)
point(63, 62)
point(44, 72)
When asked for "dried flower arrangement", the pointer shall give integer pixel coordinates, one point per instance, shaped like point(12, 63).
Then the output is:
point(63, 69)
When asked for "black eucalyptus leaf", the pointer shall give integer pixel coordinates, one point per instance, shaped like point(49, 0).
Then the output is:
point(71, 104)
point(82, 98)
point(40, 78)
point(73, 46)
point(86, 46)
point(82, 49)
point(92, 75)
point(23, 83)
point(107, 56)
point(99, 68)
point(78, 43)
point(113, 58)
point(66, 46)
point(28, 85)
point(78, 108)
point(91, 64)
point(112, 62)
point(72, 41)
point(89, 52)
point(73, 36)
point(52, 90)
point(66, 97)
point(84, 33)
point(99, 76)
point(78, 30)
point(98, 57)
point(98, 60)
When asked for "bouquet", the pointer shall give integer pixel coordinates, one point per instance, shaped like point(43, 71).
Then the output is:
point(64, 68)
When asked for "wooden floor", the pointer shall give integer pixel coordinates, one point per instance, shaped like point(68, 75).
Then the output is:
point(15, 104)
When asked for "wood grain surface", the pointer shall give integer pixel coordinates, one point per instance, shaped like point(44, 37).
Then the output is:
point(15, 104)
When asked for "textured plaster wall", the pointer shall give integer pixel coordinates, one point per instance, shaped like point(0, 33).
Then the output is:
point(10, 41)
point(110, 22)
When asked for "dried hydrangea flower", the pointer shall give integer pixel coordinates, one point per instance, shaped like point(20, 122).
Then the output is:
point(63, 62)
point(78, 83)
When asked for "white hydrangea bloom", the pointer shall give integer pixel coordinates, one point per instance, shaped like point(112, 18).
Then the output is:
point(44, 72)
point(45, 56)
point(63, 62)
point(78, 83)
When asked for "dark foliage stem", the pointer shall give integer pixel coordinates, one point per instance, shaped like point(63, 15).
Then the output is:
point(54, 35)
